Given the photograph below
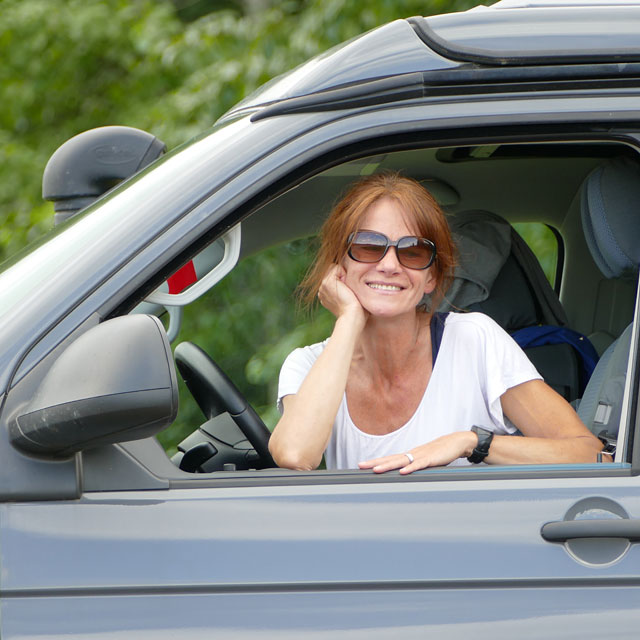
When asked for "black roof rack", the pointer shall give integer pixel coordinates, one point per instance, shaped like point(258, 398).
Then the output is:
point(535, 35)
point(463, 80)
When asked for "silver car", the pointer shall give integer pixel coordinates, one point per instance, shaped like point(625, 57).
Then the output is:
point(517, 113)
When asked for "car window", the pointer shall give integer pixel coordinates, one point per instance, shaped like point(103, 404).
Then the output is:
point(249, 322)
point(546, 245)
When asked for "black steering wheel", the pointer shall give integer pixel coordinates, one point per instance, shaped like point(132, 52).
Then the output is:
point(214, 393)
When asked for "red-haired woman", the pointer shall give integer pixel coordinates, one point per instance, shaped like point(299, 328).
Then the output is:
point(373, 395)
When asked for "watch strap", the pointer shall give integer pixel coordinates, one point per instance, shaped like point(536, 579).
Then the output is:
point(481, 450)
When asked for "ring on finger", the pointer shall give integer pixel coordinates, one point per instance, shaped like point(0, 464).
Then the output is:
point(410, 456)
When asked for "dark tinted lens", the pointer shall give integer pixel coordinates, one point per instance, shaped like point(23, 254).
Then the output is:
point(414, 253)
point(367, 246)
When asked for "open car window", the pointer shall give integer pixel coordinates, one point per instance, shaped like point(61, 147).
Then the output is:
point(458, 178)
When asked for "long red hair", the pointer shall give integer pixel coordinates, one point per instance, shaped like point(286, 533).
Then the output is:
point(423, 216)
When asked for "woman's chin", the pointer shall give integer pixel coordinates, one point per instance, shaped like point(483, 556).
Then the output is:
point(388, 305)
point(382, 310)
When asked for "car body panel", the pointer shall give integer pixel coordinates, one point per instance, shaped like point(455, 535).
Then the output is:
point(376, 54)
point(420, 549)
point(492, 36)
point(534, 34)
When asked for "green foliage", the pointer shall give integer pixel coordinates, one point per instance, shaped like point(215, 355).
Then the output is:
point(249, 323)
point(543, 243)
point(72, 65)
point(67, 67)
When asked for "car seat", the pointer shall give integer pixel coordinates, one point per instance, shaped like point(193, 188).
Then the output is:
point(500, 276)
point(609, 202)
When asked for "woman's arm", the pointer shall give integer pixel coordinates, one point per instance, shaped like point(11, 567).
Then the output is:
point(553, 434)
point(302, 433)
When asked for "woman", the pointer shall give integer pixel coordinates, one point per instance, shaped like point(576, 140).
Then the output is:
point(371, 396)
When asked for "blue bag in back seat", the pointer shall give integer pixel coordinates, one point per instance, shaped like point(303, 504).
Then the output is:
point(540, 335)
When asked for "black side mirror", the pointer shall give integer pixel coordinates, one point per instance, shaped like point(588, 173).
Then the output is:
point(91, 163)
point(115, 383)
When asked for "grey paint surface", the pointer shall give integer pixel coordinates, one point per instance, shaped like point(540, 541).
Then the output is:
point(271, 561)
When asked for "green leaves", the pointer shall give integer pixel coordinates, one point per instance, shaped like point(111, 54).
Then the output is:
point(69, 66)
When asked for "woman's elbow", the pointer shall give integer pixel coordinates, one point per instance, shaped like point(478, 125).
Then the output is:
point(592, 446)
point(287, 457)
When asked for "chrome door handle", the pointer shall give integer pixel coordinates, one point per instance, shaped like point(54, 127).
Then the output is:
point(569, 529)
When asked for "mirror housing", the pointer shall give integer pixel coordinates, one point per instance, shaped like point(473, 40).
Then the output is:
point(94, 161)
point(115, 383)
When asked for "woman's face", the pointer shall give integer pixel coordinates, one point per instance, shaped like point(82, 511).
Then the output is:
point(386, 288)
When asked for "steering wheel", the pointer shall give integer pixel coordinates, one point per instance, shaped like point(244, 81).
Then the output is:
point(214, 393)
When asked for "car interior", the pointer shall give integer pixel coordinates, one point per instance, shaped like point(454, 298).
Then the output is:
point(565, 326)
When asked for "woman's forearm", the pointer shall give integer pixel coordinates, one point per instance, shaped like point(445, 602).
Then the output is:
point(554, 432)
point(553, 435)
point(515, 450)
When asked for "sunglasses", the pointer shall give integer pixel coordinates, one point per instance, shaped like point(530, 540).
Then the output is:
point(371, 246)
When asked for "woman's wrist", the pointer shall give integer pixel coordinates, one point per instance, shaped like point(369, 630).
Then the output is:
point(471, 442)
point(354, 317)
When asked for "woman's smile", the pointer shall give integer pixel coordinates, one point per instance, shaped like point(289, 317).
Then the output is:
point(385, 287)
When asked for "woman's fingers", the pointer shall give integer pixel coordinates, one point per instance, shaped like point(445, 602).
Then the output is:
point(439, 452)
point(389, 463)
point(335, 295)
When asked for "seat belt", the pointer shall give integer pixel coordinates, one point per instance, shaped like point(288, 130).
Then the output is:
point(437, 329)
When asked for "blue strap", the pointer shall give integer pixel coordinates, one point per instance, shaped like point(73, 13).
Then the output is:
point(546, 334)
point(437, 329)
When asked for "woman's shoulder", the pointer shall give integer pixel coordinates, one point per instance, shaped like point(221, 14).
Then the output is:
point(473, 323)
point(306, 355)
point(475, 318)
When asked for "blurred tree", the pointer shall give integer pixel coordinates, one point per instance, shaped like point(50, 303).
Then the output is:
point(189, 10)
point(71, 65)
point(170, 68)
point(544, 245)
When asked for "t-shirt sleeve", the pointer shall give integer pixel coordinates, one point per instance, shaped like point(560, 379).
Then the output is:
point(295, 369)
point(507, 366)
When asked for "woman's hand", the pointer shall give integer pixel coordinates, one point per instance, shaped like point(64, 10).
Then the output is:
point(436, 453)
point(336, 296)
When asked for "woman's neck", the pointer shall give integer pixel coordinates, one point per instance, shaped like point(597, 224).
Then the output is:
point(388, 346)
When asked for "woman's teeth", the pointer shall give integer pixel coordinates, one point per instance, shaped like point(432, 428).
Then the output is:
point(384, 287)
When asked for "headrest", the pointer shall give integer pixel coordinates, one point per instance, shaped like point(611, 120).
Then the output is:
point(610, 207)
point(483, 240)
point(498, 274)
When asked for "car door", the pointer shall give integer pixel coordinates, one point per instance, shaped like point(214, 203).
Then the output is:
point(440, 553)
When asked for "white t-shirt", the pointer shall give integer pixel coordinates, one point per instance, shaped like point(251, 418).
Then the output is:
point(477, 362)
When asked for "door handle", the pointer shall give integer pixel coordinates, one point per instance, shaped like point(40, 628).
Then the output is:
point(569, 529)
